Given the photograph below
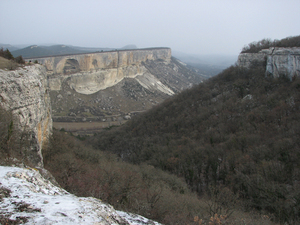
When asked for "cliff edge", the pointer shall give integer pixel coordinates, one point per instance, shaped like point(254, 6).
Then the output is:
point(24, 92)
point(278, 61)
point(26, 197)
point(107, 88)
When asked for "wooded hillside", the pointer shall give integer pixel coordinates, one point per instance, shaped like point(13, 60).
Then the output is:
point(238, 130)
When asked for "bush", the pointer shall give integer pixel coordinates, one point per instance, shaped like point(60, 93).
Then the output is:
point(139, 189)
point(19, 59)
point(238, 129)
point(6, 54)
point(255, 47)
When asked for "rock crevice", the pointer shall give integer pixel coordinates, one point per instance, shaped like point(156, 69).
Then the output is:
point(24, 91)
point(278, 61)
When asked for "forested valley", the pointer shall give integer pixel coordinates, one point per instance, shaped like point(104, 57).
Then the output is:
point(225, 151)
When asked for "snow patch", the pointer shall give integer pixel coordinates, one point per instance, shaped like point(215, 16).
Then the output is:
point(40, 202)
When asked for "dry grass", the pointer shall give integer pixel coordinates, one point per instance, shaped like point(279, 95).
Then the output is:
point(7, 64)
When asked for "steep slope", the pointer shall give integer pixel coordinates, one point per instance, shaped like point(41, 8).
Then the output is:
point(278, 61)
point(24, 92)
point(238, 130)
point(26, 197)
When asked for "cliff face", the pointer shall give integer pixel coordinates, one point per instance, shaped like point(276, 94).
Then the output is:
point(24, 92)
point(109, 86)
point(89, 73)
point(279, 61)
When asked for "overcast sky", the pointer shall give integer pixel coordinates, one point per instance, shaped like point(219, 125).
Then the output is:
point(190, 26)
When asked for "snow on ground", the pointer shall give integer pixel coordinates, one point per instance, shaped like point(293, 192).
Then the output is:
point(26, 196)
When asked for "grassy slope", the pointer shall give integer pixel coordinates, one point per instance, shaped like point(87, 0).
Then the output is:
point(7, 64)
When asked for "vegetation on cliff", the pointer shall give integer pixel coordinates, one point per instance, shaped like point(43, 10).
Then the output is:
point(8, 61)
point(13, 141)
point(255, 47)
point(238, 131)
point(234, 140)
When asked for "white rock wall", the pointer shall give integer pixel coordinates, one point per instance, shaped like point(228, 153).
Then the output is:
point(93, 72)
point(24, 91)
point(102, 60)
point(44, 203)
point(279, 61)
point(284, 61)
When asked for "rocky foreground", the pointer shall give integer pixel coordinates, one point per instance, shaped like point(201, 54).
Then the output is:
point(27, 197)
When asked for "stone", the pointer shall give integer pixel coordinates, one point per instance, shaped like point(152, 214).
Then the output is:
point(42, 202)
point(279, 61)
point(101, 60)
point(284, 61)
point(111, 78)
point(127, 117)
point(27, 96)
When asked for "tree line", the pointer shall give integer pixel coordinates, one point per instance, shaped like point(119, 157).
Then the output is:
point(7, 55)
point(255, 47)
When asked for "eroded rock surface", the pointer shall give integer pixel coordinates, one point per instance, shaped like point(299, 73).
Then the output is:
point(25, 196)
point(107, 86)
point(24, 92)
point(278, 61)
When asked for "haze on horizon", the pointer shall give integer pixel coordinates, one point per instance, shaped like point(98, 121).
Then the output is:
point(194, 27)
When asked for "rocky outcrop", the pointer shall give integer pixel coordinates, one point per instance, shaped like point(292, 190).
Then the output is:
point(24, 92)
point(278, 61)
point(108, 86)
point(26, 197)
point(101, 60)
point(90, 73)
point(284, 61)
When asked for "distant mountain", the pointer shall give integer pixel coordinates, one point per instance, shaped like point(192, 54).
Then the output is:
point(90, 49)
point(38, 51)
point(32, 51)
point(62, 49)
point(129, 47)
point(9, 47)
point(42, 50)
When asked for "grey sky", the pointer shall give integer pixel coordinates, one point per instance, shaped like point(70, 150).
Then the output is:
point(191, 26)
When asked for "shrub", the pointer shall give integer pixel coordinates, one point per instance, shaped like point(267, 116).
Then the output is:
point(6, 54)
point(211, 135)
point(255, 47)
point(19, 59)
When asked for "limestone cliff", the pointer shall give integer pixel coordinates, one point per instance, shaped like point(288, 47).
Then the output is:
point(24, 91)
point(278, 61)
point(111, 86)
point(90, 73)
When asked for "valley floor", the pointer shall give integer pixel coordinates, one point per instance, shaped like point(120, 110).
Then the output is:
point(85, 128)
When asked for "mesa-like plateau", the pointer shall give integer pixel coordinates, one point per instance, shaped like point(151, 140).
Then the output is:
point(108, 88)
